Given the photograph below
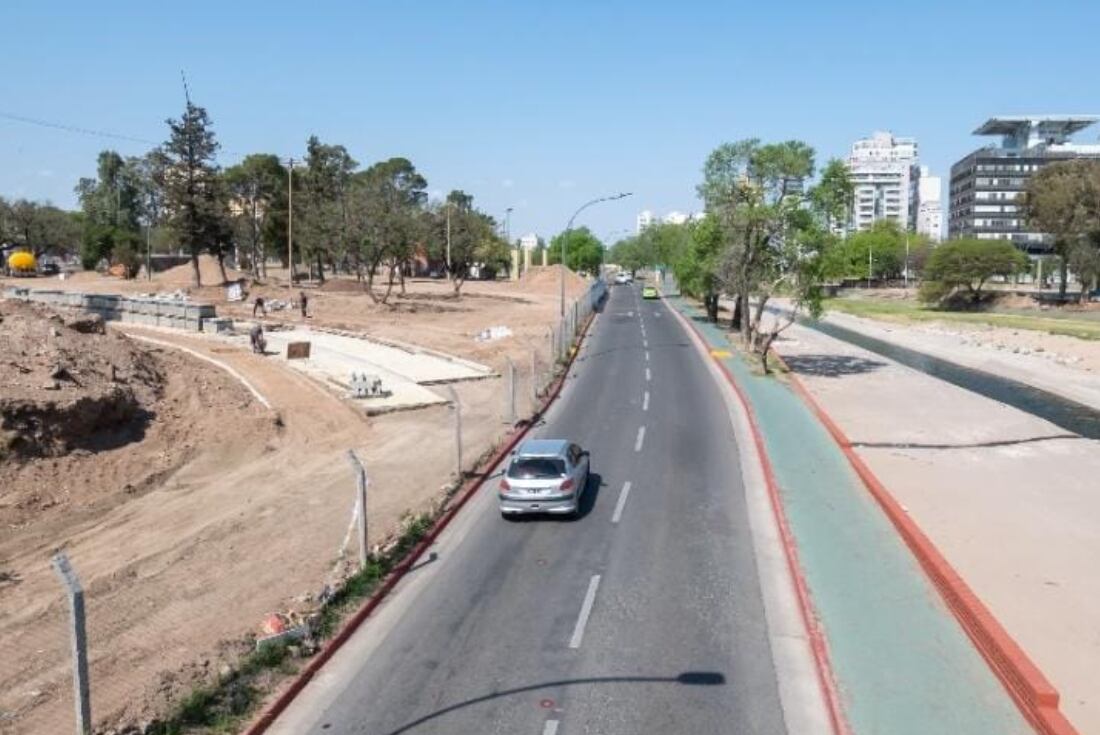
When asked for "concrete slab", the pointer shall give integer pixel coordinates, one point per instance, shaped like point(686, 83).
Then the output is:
point(333, 359)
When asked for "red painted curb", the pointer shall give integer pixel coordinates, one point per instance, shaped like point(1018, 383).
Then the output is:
point(813, 628)
point(266, 718)
point(1032, 692)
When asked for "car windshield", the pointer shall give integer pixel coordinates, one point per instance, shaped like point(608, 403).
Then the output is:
point(536, 468)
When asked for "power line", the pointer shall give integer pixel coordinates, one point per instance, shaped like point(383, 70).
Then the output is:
point(97, 133)
point(73, 128)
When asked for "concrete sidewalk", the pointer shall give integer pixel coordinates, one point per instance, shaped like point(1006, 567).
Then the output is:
point(1008, 498)
point(903, 663)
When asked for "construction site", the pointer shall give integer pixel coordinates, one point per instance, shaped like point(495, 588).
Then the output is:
point(199, 486)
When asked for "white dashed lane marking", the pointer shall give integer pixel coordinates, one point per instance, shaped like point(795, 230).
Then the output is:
point(586, 610)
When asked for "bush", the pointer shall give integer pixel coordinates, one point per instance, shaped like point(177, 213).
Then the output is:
point(964, 266)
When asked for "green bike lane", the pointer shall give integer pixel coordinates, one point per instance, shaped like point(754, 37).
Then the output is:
point(903, 664)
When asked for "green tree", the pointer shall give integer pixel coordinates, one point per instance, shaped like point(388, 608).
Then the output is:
point(40, 228)
point(583, 250)
point(473, 238)
point(257, 189)
point(1063, 199)
point(755, 193)
point(833, 195)
point(323, 204)
point(193, 193)
point(698, 266)
point(385, 219)
point(966, 265)
point(112, 207)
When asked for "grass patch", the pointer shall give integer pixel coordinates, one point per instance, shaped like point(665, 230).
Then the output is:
point(1067, 324)
point(225, 705)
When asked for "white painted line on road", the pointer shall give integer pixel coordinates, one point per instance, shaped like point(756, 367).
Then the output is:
point(640, 439)
point(645, 343)
point(551, 728)
point(645, 401)
point(586, 610)
point(647, 374)
point(621, 504)
point(647, 355)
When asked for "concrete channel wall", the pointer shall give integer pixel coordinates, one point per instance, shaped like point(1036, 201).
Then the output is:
point(150, 311)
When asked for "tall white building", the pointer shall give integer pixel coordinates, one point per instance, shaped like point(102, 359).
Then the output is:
point(646, 219)
point(884, 171)
point(530, 241)
point(928, 205)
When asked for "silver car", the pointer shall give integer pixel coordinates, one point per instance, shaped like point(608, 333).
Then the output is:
point(544, 476)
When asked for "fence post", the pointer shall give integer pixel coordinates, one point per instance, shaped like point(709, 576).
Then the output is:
point(81, 690)
point(458, 431)
point(534, 380)
point(361, 487)
point(511, 395)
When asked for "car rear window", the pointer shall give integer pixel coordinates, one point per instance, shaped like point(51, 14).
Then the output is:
point(536, 468)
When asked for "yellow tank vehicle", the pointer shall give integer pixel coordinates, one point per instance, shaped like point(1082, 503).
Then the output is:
point(22, 264)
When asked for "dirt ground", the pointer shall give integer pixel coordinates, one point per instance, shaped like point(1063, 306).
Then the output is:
point(1008, 498)
point(220, 511)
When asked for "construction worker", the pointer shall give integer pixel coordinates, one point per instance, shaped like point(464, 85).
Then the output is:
point(303, 301)
point(258, 305)
point(256, 337)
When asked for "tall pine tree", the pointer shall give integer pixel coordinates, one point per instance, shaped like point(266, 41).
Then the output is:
point(193, 189)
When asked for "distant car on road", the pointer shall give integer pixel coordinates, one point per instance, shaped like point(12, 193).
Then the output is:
point(544, 476)
point(649, 292)
point(623, 277)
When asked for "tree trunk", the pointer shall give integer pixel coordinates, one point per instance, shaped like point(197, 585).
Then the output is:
point(196, 277)
point(754, 328)
point(389, 285)
point(1063, 277)
point(735, 320)
point(370, 283)
point(743, 298)
point(320, 268)
point(764, 352)
point(221, 267)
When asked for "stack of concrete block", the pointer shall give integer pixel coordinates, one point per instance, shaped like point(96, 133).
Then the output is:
point(175, 314)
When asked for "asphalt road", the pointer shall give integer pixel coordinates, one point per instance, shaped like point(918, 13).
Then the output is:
point(642, 616)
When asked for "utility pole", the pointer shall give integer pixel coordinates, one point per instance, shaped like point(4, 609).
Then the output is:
point(450, 268)
point(508, 226)
point(907, 258)
point(75, 593)
point(290, 221)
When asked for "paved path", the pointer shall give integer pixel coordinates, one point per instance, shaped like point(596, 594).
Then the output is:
point(643, 616)
point(903, 664)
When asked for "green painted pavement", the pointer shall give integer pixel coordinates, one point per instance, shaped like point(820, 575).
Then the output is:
point(903, 664)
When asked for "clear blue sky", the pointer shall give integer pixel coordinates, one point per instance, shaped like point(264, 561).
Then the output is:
point(536, 106)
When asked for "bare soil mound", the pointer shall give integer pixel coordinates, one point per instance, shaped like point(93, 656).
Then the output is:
point(542, 279)
point(211, 274)
point(69, 384)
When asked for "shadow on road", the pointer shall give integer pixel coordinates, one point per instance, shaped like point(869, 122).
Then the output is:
point(831, 366)
point(688, 678)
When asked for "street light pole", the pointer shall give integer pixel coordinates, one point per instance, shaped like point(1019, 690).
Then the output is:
point(565, 236)
point(508, 225)
point(290, 221)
